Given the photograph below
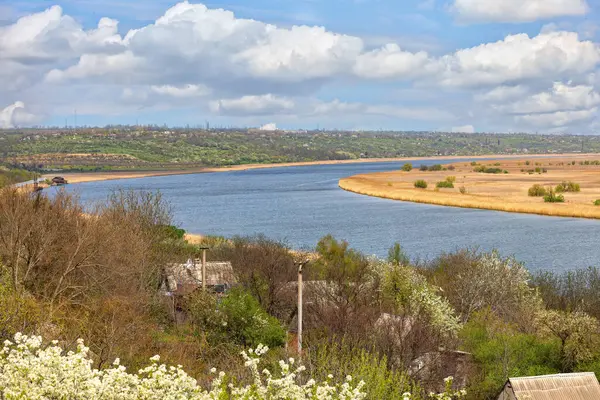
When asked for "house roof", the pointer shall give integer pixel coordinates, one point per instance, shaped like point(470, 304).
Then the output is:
point(189, 275)
point(577, 386)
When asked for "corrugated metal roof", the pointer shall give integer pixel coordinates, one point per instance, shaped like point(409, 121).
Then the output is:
point(577, 386)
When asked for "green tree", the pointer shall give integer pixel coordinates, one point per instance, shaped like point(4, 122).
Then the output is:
point(407, 167)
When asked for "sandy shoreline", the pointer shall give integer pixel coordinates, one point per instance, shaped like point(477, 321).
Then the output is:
point(499, 192)
point(104, 176)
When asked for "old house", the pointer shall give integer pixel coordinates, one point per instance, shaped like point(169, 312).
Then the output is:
point(182, 279)
point(577, 386)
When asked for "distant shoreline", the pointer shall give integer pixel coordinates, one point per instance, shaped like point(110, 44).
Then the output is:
point(507, 192)
point(82, 177)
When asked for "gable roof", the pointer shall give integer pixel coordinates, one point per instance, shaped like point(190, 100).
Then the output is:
point(189, 275)
point(577, 386)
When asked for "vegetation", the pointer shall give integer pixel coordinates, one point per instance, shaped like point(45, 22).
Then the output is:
point(407, 167)
point(567, 187)
point(597, 202)
point(537, 191)
point(100, 277)
point(444, 184)
point(552, 197)
point(153, 147)
point(14, 175)
point(420, 184)
point(489, 170)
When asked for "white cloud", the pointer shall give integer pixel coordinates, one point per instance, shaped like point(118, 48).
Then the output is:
point(268, 127)
point(253, 105)
point(464, 129)
point(558, 119)
point(516, 10)
point(182, 91)
point(518, 58)
point(390, 62)
point(503, 93)
point(15, 115)
point(562, 97)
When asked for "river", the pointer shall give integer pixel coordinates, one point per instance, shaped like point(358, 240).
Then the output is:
point(301, 204)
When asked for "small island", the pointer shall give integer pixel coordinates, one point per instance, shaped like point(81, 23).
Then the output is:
point(566, 186)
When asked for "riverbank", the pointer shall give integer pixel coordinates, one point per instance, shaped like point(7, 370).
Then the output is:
point(104, 176)
point(500, 192)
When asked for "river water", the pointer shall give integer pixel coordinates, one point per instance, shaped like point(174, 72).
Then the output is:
point(301, 204)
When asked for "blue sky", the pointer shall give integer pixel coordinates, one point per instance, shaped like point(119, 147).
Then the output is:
point(469, 65)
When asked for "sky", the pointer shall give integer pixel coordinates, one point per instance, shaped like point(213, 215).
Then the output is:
point(443, 65)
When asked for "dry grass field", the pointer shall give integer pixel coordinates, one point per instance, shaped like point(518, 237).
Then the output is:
point(502, 192)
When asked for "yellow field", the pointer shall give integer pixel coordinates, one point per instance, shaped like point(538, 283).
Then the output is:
point(502, 192)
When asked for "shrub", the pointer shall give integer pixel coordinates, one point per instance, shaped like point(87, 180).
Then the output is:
point(463, 190)
point(597, 202)
point(486, 170)
point(527, 163)
point(421, 184)
point(445, 184)
point(407, 167)
point(451, 179)
point(568, 187)
point(436, 167)
point(451, 167)
point(423, 167)
point(32, 371)
point(552, 197)
point(537, 191)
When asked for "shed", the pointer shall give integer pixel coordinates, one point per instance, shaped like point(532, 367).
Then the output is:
point(577, 386)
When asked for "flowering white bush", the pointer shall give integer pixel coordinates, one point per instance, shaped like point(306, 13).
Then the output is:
point(29, 370)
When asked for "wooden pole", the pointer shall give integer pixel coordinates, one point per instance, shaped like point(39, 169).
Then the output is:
point(204, 270)
point(300, 308)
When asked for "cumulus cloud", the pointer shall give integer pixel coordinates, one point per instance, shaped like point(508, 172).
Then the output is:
point(268, 127)
point(516, 10)
point(253, 105)
point(15, 115)
point(558, 119)
point(517, 58)
point(216, 62)
point(390, 62)
point(562, 97)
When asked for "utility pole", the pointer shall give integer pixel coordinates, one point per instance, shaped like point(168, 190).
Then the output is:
point(204, 267)
point(300, 290)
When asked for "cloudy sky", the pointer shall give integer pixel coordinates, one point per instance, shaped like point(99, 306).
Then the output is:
point(463, 65)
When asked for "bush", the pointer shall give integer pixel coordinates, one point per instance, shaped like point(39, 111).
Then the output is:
point(597, 202)
point(421, 184)
point(407, 167)
point(568, 187)
point(463, 190)
point(436, 167)
point(485, 170)
point(552, 197)
point(537, 191)
point(451, 167)
point(445, 184)
point(423, 168)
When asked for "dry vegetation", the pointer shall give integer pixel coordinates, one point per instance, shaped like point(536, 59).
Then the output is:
point(502, 191)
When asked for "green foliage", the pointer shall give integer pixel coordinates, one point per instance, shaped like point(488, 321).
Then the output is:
point(489, 170)
point(435, 167)
point(12, 176)
point(173, 232)
point(445, 184)
point(348, 359)
point(423, 167)
point(552, 197)
point(537, 191)
point(247, 323)
point(397, 256)
point(407, 167)
point(451, 179)
point(420, 184)
point(597, 202)
point(568, 187)
point(503, 351)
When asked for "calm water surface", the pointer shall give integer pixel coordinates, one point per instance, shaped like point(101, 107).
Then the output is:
point(302, 204)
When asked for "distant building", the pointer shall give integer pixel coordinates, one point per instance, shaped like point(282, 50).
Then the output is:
point(183, 279)
point(578, 386)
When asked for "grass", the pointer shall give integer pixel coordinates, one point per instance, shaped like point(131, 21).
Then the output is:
point(500, 192)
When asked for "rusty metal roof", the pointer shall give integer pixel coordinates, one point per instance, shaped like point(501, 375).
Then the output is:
point(577, 386)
